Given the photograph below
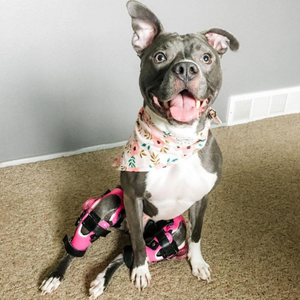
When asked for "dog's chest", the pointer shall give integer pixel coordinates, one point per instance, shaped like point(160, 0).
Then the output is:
point(176, 188)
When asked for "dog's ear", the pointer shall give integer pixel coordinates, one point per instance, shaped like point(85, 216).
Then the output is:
point(221, 40)
point(145, 25)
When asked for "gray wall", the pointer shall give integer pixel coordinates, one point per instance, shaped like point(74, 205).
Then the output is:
point(69, 77)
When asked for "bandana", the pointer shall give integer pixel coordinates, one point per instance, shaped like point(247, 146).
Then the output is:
point(151, 148)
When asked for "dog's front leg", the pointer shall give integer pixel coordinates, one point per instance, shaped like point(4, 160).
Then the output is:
point(140, 275)
point(200, 268)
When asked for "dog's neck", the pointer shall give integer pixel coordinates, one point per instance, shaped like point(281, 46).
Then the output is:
point(154, 144)
point(184, 130)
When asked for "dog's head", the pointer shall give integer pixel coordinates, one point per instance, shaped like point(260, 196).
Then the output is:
point(180, 74)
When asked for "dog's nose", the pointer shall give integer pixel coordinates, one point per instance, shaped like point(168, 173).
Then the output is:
point(185, 71)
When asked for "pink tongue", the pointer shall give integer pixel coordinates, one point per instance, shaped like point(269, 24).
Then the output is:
point(182, 108)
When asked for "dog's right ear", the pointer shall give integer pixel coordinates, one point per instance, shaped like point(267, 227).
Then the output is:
point(145, 25)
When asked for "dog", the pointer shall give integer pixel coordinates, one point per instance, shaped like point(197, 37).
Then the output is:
point(180, 78)
point(172, 161)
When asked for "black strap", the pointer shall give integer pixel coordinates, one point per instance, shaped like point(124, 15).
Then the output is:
point(168, 248)
point(91, 221)
point(99, 231)
point(84, 212)
point(155, 230)
point(70, 249)
point(163, 223)
point(108, 191)
point(151, 227)
point(80, 218)
point(120, 220)
point(128, 256)
point(91, 224)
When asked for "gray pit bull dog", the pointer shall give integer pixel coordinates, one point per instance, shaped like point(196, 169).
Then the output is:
point(179, 80)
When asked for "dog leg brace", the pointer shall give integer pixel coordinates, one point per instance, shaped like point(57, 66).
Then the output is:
point(91, 226)
point(163, 239)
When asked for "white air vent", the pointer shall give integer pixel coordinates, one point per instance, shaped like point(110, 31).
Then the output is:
point(250, 107)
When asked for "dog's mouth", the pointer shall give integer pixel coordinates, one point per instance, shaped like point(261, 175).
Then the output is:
point(184, 107)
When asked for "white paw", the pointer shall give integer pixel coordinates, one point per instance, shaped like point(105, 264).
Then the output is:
point(140, 276)
point(97, 286)
point(50, 285)
point(200, 268)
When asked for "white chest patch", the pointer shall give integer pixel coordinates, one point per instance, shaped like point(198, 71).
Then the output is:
point(176, 188)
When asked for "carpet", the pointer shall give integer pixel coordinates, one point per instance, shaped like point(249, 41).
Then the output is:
point(251, 234)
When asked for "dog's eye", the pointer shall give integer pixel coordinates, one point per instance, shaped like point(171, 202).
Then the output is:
point(206, 58)
point(160, 57)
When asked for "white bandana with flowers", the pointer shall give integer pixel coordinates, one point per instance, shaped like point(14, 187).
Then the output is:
point(150, 148)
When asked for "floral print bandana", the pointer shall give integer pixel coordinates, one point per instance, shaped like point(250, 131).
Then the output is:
point(150, 148)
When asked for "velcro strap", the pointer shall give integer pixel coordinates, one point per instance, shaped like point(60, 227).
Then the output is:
point(83, 213)
point(120, 219)
point(99, 231)
point(151, 243)
point(163, 223)
point(150, 230)
point(91, 224)
point(91, 221)
point(70, 249)
point(128, 256)
point(168, 248)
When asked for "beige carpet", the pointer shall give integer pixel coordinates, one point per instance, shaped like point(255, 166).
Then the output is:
point(251, 235)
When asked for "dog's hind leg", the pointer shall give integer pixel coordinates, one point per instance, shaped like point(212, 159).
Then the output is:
point(52, 282)
point(102, 280)
point(97, 216)
point(200, 268)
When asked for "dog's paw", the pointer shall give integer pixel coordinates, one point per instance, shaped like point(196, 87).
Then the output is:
point(50, 284)
point(140, 276)
point(200, 268)
point(97, 286)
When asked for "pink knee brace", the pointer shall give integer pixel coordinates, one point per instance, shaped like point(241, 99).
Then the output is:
point(163, 239)
point(163, 244)
point(90, 226)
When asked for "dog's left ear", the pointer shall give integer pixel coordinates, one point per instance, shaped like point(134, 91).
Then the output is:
point(145, 25)
point(221, 40)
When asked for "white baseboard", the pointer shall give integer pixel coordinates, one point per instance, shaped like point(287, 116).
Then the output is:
point(58, 155)
point(256, 106)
